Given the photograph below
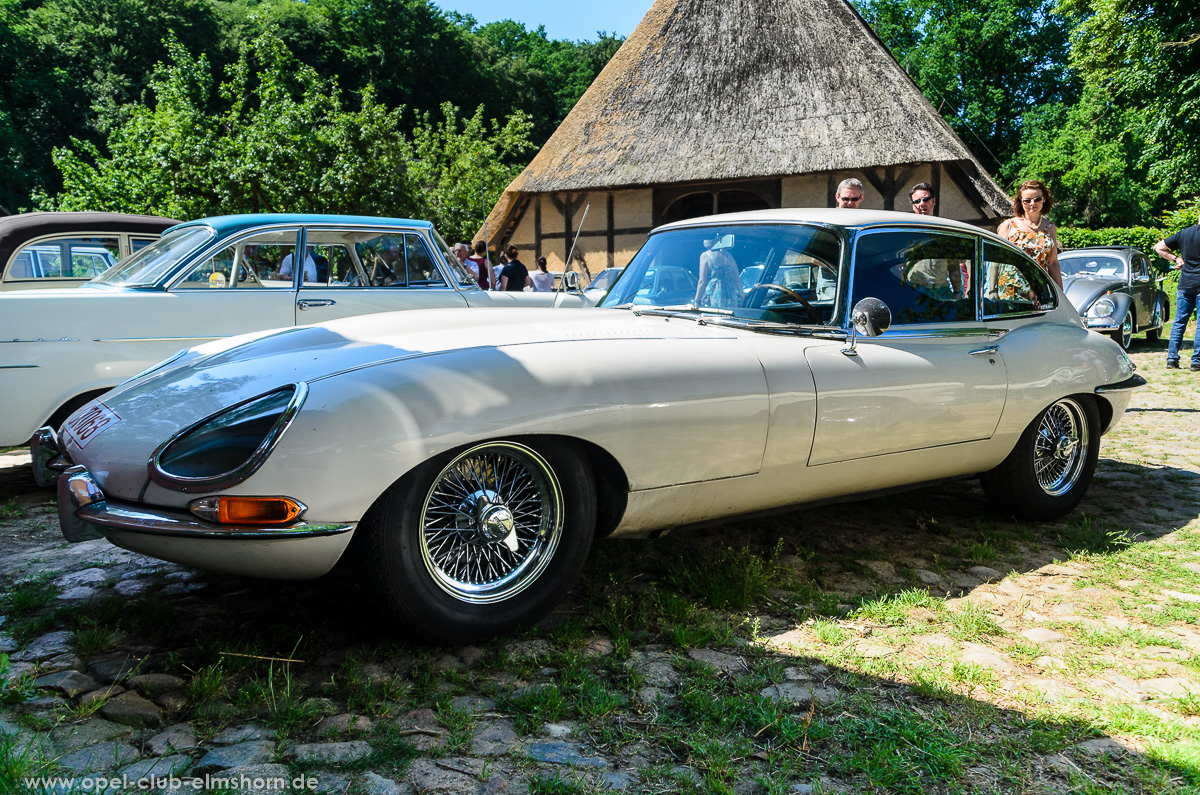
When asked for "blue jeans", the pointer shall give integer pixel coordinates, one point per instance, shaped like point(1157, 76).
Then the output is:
point(1185, 304)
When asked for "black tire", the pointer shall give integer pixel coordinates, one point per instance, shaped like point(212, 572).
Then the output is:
point(1048, 472)
point(527, 515)
point(1124, 335)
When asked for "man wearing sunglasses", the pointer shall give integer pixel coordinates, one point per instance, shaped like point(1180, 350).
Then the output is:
point(924, 201)
point(849, 194)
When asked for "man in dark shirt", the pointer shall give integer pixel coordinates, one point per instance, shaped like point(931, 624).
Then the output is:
point(1187, 261)
point(515, 275)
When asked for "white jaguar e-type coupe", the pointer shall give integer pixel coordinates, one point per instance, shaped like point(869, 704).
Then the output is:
point(471, 457)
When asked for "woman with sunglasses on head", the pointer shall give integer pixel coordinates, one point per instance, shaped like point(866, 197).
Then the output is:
point(1030, 230)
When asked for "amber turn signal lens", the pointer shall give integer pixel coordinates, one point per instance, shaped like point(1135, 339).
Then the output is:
point(248, 510)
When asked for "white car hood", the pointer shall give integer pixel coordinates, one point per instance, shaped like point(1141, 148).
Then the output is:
point(151, 408)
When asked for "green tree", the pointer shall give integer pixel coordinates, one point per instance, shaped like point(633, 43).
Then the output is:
point(1089, 154)
point(1144, 56)
point(69, 66)
point(984, 64)
point(287, 143)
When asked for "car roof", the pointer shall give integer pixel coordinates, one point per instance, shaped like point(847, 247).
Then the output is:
point(829, 215)
point(1086, 250)
point(17, 230)
point(225, 224)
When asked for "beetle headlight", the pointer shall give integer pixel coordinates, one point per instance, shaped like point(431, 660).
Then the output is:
point(1103, 308)
point(229, 446)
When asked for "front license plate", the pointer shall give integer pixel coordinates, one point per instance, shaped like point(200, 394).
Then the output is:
point(85, 424)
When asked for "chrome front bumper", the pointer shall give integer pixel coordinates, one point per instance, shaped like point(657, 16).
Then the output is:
point(85, 513)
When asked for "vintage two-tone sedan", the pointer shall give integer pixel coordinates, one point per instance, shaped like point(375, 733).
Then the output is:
point(214, 278)
point(468, 459)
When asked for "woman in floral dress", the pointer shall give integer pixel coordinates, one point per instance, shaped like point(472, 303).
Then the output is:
point(1031, 231)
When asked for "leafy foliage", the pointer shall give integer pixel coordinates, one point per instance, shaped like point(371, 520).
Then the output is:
point(1145, 56)
point(286, 142)
point(983, 64)
point(73, 71)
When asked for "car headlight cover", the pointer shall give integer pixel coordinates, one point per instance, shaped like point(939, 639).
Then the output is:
point(229, 446)
point(1103, 308)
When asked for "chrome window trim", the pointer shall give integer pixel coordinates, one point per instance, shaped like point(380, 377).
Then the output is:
point(184, 263)
point(172, 282)
point(1030, 313)
point(398, 231)
point(844, 235)
point(874, 229)
point(916, 332)
point(122, 246)
point(247, 467)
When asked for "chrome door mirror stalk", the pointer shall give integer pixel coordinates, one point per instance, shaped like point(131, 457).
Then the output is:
point(870, 317)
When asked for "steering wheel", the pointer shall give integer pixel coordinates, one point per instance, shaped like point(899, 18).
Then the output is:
point(788, 291)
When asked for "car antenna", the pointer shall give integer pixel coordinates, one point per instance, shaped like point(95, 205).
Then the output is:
point(574, 243)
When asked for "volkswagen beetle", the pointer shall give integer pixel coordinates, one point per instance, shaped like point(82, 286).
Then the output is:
point(1116, 291)
point(467, 460)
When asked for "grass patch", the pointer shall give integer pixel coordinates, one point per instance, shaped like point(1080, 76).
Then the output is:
point(729, 578)
point(13, 510)
point(894, 609)
point(1084, 536)
point(971, 622)
point(829, 632)
point(899, 749)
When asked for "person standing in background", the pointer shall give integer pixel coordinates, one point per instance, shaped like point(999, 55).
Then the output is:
point(849, 194)
point(485, 274)
point(515, 276)
point(543, 280)
point(1187, 262)
point(1031, 231)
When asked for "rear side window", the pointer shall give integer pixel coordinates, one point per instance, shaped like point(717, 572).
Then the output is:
point(923, 277)
point(65, 258)
point(1013, 284)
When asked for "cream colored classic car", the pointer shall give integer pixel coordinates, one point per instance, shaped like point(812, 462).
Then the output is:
point(214, 278)
point(468, 459)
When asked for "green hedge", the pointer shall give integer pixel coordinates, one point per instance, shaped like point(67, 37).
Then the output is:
point(1142, 237)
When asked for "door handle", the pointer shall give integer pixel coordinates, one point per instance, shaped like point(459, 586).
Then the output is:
point(305, 304)
point(988, 351)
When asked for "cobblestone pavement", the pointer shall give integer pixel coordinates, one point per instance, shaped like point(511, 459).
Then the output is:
point(147, 670)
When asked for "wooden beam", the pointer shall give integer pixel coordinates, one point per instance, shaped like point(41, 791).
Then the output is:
point(611, 230)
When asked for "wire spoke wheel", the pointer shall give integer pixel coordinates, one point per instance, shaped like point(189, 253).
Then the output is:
point(490, 522)
point(1060, 447)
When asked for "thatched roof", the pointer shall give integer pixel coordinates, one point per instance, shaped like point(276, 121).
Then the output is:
point(708, 90)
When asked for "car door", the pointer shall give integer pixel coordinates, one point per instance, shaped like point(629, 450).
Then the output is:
point(234, 288)
point(1142, 287)
point(358, 271)
point(935, 377)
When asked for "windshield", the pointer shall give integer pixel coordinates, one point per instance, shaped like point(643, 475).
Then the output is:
point(605, 279)
point(771, 272)
point(458, 271)
point(153, 263)
point(1092, 267)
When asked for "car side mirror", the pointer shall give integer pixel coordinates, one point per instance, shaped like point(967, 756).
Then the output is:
point(870, 317)
point(570, 281)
